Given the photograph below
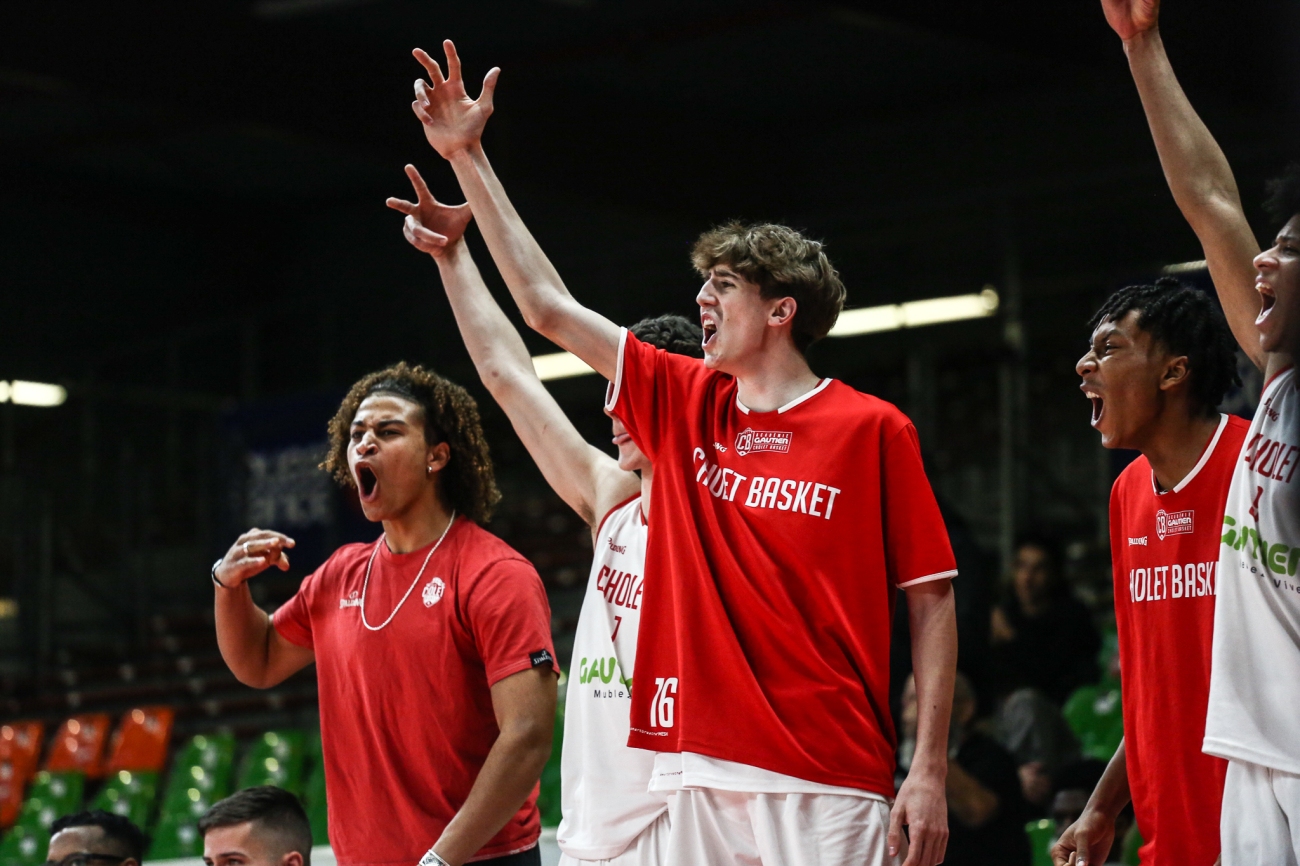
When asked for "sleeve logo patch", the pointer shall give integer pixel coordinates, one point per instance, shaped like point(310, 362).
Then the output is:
point(750, 441)
point(541, 657)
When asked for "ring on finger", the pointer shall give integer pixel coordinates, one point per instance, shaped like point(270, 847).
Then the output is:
point(247, 552)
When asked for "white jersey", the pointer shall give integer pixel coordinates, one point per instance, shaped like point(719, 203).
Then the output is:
point(1254, 710)
point(604, 793)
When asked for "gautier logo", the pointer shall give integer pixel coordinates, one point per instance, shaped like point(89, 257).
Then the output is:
point(1175, 523)
point(749, 441)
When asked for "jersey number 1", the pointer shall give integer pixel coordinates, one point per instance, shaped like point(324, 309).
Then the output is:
point(661, 708)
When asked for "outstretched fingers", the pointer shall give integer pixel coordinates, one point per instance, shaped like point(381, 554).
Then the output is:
point(430, 65)
point(421, 238)
point(421, 188)
point(489, 87)
point(453, 60)
point(402, 205)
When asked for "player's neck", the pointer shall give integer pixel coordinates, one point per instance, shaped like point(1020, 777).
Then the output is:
point(1178, 447)
point(774, 377)
point(420, 525)
point(647, 481)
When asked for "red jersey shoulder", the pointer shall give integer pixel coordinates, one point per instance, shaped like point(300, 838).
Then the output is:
point(479, 550)
point(847, 405)
point(332, 570)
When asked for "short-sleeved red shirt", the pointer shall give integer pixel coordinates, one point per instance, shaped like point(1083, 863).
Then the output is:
point(1165, 554)
point(406, 711)
point(776, 542)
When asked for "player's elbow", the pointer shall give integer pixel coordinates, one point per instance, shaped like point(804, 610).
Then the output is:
point(546, 311)
point(530, 740)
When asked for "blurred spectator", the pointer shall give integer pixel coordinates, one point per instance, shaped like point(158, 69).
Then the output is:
point(95, 838)
point(1033, 729)
point(986, 814)
point(262, 826)
point(1074, 785)
point(1042, 636)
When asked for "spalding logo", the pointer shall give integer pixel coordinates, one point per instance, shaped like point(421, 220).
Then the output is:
point(433, 591)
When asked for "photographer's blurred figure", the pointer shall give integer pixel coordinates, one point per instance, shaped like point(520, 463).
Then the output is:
point(95, 838)
point(263, 826)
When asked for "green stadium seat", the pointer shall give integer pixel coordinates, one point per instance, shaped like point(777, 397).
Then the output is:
point(275, 758)
point(52, 796)
point(314, 792)
point(1042, 834)
point(548, 800)
point(129, 793)
point(200, 777)
point(1095, 715)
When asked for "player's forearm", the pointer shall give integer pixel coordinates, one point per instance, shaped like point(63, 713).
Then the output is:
point(1197, 171)
point(243, 635)
point(933, 621)
point(1112, 792)
point(532, 279)
point(512, 768)
point(498, 352)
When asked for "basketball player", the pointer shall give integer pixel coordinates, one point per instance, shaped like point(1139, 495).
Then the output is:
point(1255, 676)
point(432, 645)
point(787, 509)
point(1160, 360)
point(610, 816)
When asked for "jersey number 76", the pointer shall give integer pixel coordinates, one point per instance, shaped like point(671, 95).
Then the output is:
point(661, 708)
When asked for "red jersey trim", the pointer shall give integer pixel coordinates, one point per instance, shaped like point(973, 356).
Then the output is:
point(601, 525)
point(1200, 464)
point(929, 577)
point(1276, 376)
point(611, 392)
point(808, 395)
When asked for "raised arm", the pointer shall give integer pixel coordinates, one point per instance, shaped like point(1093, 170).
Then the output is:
point(1197, 171)
point(453, 124)
point(585, 477)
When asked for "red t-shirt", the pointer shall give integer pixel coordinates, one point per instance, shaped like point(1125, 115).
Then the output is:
point(1165, 552)
point(776, 542)
point(406, 712)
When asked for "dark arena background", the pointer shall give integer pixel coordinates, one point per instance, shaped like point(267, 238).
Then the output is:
point(194, 247)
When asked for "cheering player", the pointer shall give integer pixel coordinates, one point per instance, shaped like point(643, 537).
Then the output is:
point(432, 645)
point(610, 816)
point(1160, 361)
point(1255, 677)
point(787, 509)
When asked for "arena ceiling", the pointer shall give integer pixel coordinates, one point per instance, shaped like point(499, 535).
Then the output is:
point(191, 194)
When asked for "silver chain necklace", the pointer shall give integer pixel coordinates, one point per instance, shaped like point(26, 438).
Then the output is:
point(371, 562)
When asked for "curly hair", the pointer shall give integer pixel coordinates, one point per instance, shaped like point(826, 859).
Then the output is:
point(1186, 322)
point(672, 333)
point(1283, 195)
point(450, 415)
point(783, 263)
point(129, 840)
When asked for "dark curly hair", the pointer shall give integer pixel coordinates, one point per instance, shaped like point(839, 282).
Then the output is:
point(128, 839)
point(1283, 195)
point(450, 415)
point(1186, 322)
point(783, 263)
point(672, 333)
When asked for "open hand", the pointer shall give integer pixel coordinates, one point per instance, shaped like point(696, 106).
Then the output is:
point(1086, 841)
point(252, 553)
point(452, 121)
point(431, 227)
point(922, 806)
point(1128, 18)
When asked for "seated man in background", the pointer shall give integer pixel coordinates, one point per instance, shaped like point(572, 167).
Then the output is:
point(986, 814)
point(263, 826)
point(98, 837)
point(1073, 785)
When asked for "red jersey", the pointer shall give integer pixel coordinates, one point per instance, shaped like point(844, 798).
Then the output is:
point(406, 712)
point(776, 542)
point(1165, 551)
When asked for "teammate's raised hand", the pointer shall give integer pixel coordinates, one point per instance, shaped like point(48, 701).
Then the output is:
point(452, 121)
point(1086, 841)
point(431, 226)
point(252, 553)
point(1128, 18)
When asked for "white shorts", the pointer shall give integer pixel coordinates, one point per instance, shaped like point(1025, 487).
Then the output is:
point(727, 828)
point(1260, 821)
point(649, 848)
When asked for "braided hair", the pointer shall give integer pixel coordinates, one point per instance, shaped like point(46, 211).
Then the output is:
point(1186, 322)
